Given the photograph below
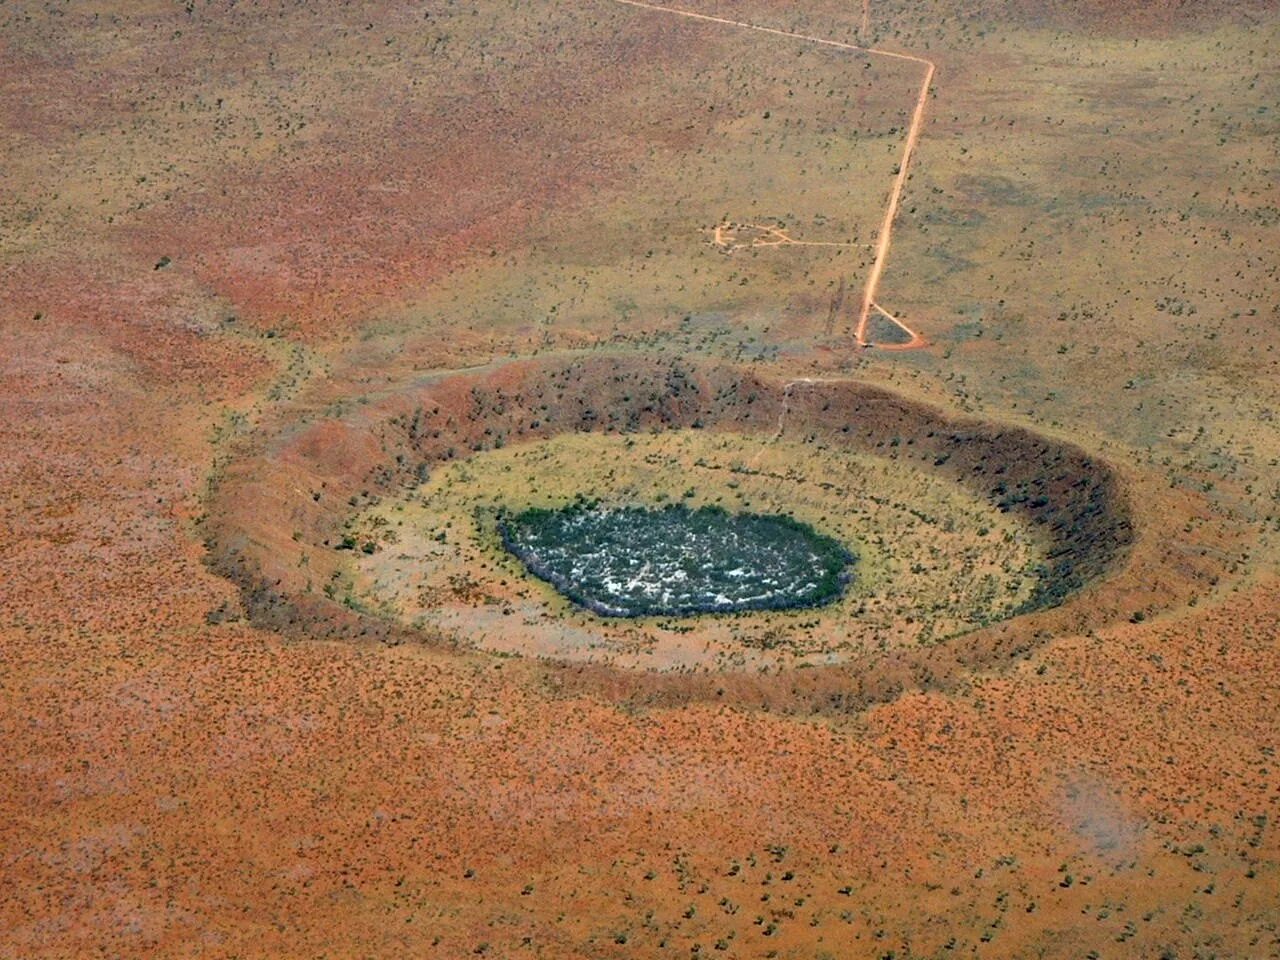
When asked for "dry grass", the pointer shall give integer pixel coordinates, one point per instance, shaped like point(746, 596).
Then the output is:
point(350, 198)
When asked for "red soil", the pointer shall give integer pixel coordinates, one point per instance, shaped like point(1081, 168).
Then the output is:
point(179, 782)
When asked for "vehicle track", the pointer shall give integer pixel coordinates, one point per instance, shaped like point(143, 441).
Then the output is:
point(724, 236)
point(895, 195)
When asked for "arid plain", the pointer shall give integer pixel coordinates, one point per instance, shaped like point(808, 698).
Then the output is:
point(283, 282)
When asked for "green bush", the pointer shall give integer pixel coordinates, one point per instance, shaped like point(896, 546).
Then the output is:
point(638, 561)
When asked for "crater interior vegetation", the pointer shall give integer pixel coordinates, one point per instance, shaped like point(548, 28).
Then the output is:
point(635, 561)
point(933, 560)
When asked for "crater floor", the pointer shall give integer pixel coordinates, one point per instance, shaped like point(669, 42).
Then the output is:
point(933, 559)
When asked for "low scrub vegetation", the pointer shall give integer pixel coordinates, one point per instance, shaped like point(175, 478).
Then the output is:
point(636, 561)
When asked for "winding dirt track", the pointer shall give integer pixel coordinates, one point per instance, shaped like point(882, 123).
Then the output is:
point(895, 195)
point(787, 388)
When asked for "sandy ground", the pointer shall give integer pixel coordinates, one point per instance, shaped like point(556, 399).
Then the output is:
point(213, 221)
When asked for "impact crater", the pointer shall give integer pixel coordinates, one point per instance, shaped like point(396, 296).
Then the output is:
point(381, 520)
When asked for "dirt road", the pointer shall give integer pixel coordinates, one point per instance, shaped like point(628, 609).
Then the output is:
point(900, 180)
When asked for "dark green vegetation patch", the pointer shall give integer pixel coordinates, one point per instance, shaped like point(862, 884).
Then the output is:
point(637, 561)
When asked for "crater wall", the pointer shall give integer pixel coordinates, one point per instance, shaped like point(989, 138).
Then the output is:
point(276, 517)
